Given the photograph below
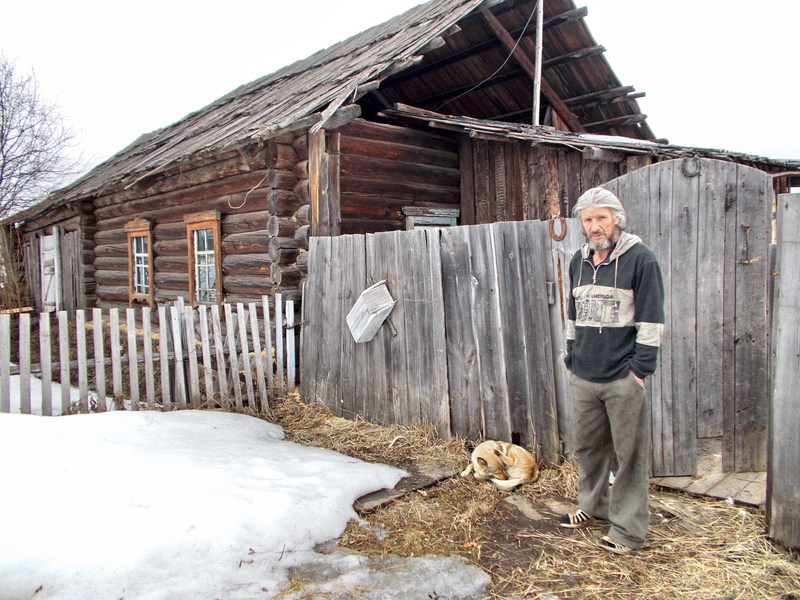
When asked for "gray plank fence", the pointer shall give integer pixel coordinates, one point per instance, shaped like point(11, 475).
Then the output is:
point(474, 343)
point(710, 224)
point(783, 473)
point(230, 356)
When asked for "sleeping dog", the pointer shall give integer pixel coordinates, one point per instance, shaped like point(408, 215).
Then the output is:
point(505, 465)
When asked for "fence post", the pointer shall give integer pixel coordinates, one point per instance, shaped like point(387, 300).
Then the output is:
point(45, 364)
point(290, 352)
point(216, 330)
point(268, 343)
point(116, 352)
point(233, 356)
point(99, 358)
point(83, 377)
point(5, 363)
point(191, 355)
point(181, 394)
point(783, 464)
point(248, 374)
point(163, 353)
point(133, 367)
point(205, 345)
point(25, 364)
point(63, 356)
point(257, 357)
point(279, 340)
point(147, 342)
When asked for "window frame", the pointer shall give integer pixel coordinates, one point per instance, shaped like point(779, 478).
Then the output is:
point(140, 228)
point(209, 219)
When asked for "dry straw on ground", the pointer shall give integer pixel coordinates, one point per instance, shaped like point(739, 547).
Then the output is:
point(698, 548)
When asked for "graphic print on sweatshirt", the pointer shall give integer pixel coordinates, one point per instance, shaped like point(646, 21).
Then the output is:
point(603, 306)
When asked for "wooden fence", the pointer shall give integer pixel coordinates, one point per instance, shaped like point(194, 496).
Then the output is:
point(709, 223)
point(226, 356)
point(474, 343)
point(783, 473)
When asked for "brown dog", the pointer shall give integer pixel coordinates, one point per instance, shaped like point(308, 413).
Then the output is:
point(505, 465)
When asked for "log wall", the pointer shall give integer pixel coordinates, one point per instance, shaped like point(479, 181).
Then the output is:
point(385, 167)
point(512, 181)
point(76, 226)
point(253, 192)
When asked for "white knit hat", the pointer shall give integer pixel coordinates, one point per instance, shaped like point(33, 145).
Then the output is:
point(600, 198)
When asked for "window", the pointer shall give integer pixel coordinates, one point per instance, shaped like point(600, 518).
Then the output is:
point(205, 279)
point(427, 218)
point(140, 261)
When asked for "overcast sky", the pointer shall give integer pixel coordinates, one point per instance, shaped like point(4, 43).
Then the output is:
point(717, 73)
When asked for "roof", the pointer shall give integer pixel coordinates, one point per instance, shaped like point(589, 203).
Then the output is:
point(495, 130)
point(442, 55)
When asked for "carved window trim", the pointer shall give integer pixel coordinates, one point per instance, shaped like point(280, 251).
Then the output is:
point(140, 229)
point(196, 223)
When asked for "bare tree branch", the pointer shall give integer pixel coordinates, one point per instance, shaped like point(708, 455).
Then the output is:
point(33, 142)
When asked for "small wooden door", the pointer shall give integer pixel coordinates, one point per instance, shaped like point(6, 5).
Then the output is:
point(710, 224)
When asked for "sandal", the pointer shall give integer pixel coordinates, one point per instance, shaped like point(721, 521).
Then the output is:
point(576, 520)
point(606, 543)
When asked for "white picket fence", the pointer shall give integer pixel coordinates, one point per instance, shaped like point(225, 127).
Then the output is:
point(207, 356)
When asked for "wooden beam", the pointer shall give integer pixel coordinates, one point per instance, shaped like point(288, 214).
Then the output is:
point(481, 84)
point(572, 56)
point(616, 100)
point(624, 120)
point(566, 17)
point(525, 62)
point(432, 45)
point(490, 44)
point(602, 95)
point(323, 185)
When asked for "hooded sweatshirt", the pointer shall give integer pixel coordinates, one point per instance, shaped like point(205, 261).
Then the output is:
point(616, 312)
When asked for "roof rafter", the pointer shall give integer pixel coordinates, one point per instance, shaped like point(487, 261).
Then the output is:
point(547, 90)
point(572, 15)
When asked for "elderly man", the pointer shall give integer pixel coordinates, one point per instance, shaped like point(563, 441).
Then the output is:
point(616, 318)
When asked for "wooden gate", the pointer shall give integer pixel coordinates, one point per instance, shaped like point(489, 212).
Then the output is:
point(710, 224)
point(469, 344)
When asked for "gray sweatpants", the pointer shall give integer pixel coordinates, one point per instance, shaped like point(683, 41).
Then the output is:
point(613, 419)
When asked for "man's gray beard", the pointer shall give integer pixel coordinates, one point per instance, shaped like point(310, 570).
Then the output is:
point(606, 243)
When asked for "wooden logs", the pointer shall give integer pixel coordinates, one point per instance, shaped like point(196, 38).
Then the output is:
point(247, 284)
point(281, 227)
point(301, 170)
point(246, 243)
point(301, 235)
point(171, 263)
point(111, 278)
point(245, 264)
point(280, 155)
point(302, 215)
point(300, 145)
point(282, 203)
point(111, 250)
point(174, 247)
point(112, 293)
point(288, 275)
point(283, 256)
point(243, 222)
point(119, 263)
point(172, 279)
point(301, 191)
point(281, 180)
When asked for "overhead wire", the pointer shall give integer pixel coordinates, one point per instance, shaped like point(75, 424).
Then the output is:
point(510, 54)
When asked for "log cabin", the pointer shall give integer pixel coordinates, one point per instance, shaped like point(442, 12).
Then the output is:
point(429, 118)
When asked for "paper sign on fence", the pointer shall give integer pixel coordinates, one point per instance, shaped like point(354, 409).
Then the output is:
point(370, 311)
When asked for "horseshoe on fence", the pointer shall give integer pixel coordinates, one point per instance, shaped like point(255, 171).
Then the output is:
point(561, 235)
point(685, 168)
